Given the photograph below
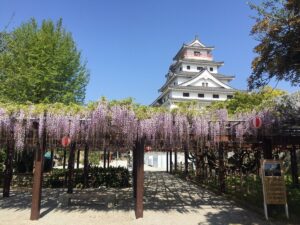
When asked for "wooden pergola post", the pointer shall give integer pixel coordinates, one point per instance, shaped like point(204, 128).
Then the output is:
point(167, 161)
point(104, 157)
point(175, 160)
point(267, 147)
point(186, 160)
point(8, 172)
point(134, 166)
point(65, 157)
point(71, 167)
point(52, 155)
point(294, 166)
point(108, 158)
point(86, 165)
point(78, 158)
point(38, 172)
point(139, 207)
point(222, 184)
point(171, 162)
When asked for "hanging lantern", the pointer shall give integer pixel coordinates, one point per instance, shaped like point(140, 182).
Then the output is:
point(65, 141)
point(257, 122)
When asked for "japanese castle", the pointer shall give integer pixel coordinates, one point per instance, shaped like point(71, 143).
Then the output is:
point(194, 76)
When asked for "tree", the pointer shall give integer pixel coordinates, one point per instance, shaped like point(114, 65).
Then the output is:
point(245, 102)
point(41, 64)
point(277, 29)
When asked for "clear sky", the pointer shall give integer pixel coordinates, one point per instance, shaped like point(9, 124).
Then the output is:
point(129, 44)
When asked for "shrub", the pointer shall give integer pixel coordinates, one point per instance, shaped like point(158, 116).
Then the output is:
point(110, 177)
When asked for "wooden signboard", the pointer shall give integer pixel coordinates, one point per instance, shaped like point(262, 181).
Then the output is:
point(273, 184)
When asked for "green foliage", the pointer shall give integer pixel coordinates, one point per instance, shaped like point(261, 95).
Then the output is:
point(190, 108)
point(94, 157)
point(245, 102)
point(2, 159)
point(24, 162)
point(277, 29)
point(41, 64)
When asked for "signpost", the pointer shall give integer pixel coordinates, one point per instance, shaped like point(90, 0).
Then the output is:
point(273, 184)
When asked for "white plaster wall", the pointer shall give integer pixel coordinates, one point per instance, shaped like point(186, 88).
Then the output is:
point(193, 68)
point(189, 54)
point(159, 159)
point(209, 82)
point(180, 80)
point(194, 95)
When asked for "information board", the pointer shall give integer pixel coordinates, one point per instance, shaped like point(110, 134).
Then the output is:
point(274, 189)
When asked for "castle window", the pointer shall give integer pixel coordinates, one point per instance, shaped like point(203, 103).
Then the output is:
point(196, 53)
point(180, 69)
point(184, 94)
point(199, 68)
point(200, 95)
point(215, 96)
point(211, 69)
point(229, 96)
point(188, 67)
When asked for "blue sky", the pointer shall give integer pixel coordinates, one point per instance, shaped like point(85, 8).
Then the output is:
point(129, 44)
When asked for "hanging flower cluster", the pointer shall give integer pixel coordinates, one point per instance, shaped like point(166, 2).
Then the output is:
point(120, 125)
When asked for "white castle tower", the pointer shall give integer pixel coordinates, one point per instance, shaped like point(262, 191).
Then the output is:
point(194, 76)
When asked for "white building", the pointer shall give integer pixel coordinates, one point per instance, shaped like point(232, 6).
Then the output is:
point(194, 76)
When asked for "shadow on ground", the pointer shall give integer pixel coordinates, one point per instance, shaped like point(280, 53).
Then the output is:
point(163, 192)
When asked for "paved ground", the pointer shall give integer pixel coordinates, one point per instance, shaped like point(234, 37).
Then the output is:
point(168, 200)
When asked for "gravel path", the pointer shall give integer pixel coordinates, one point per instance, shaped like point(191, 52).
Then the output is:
point(168, 201)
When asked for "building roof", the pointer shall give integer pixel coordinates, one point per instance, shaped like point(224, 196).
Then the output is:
point(195, 44)
point(192, 75)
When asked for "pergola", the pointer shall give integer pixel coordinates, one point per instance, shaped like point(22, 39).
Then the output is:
point(120, 126)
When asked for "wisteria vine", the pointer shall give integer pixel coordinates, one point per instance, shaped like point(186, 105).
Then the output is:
point(120, 126)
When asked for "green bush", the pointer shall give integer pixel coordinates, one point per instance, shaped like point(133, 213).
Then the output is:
point(110, 177)
point(2, 160)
